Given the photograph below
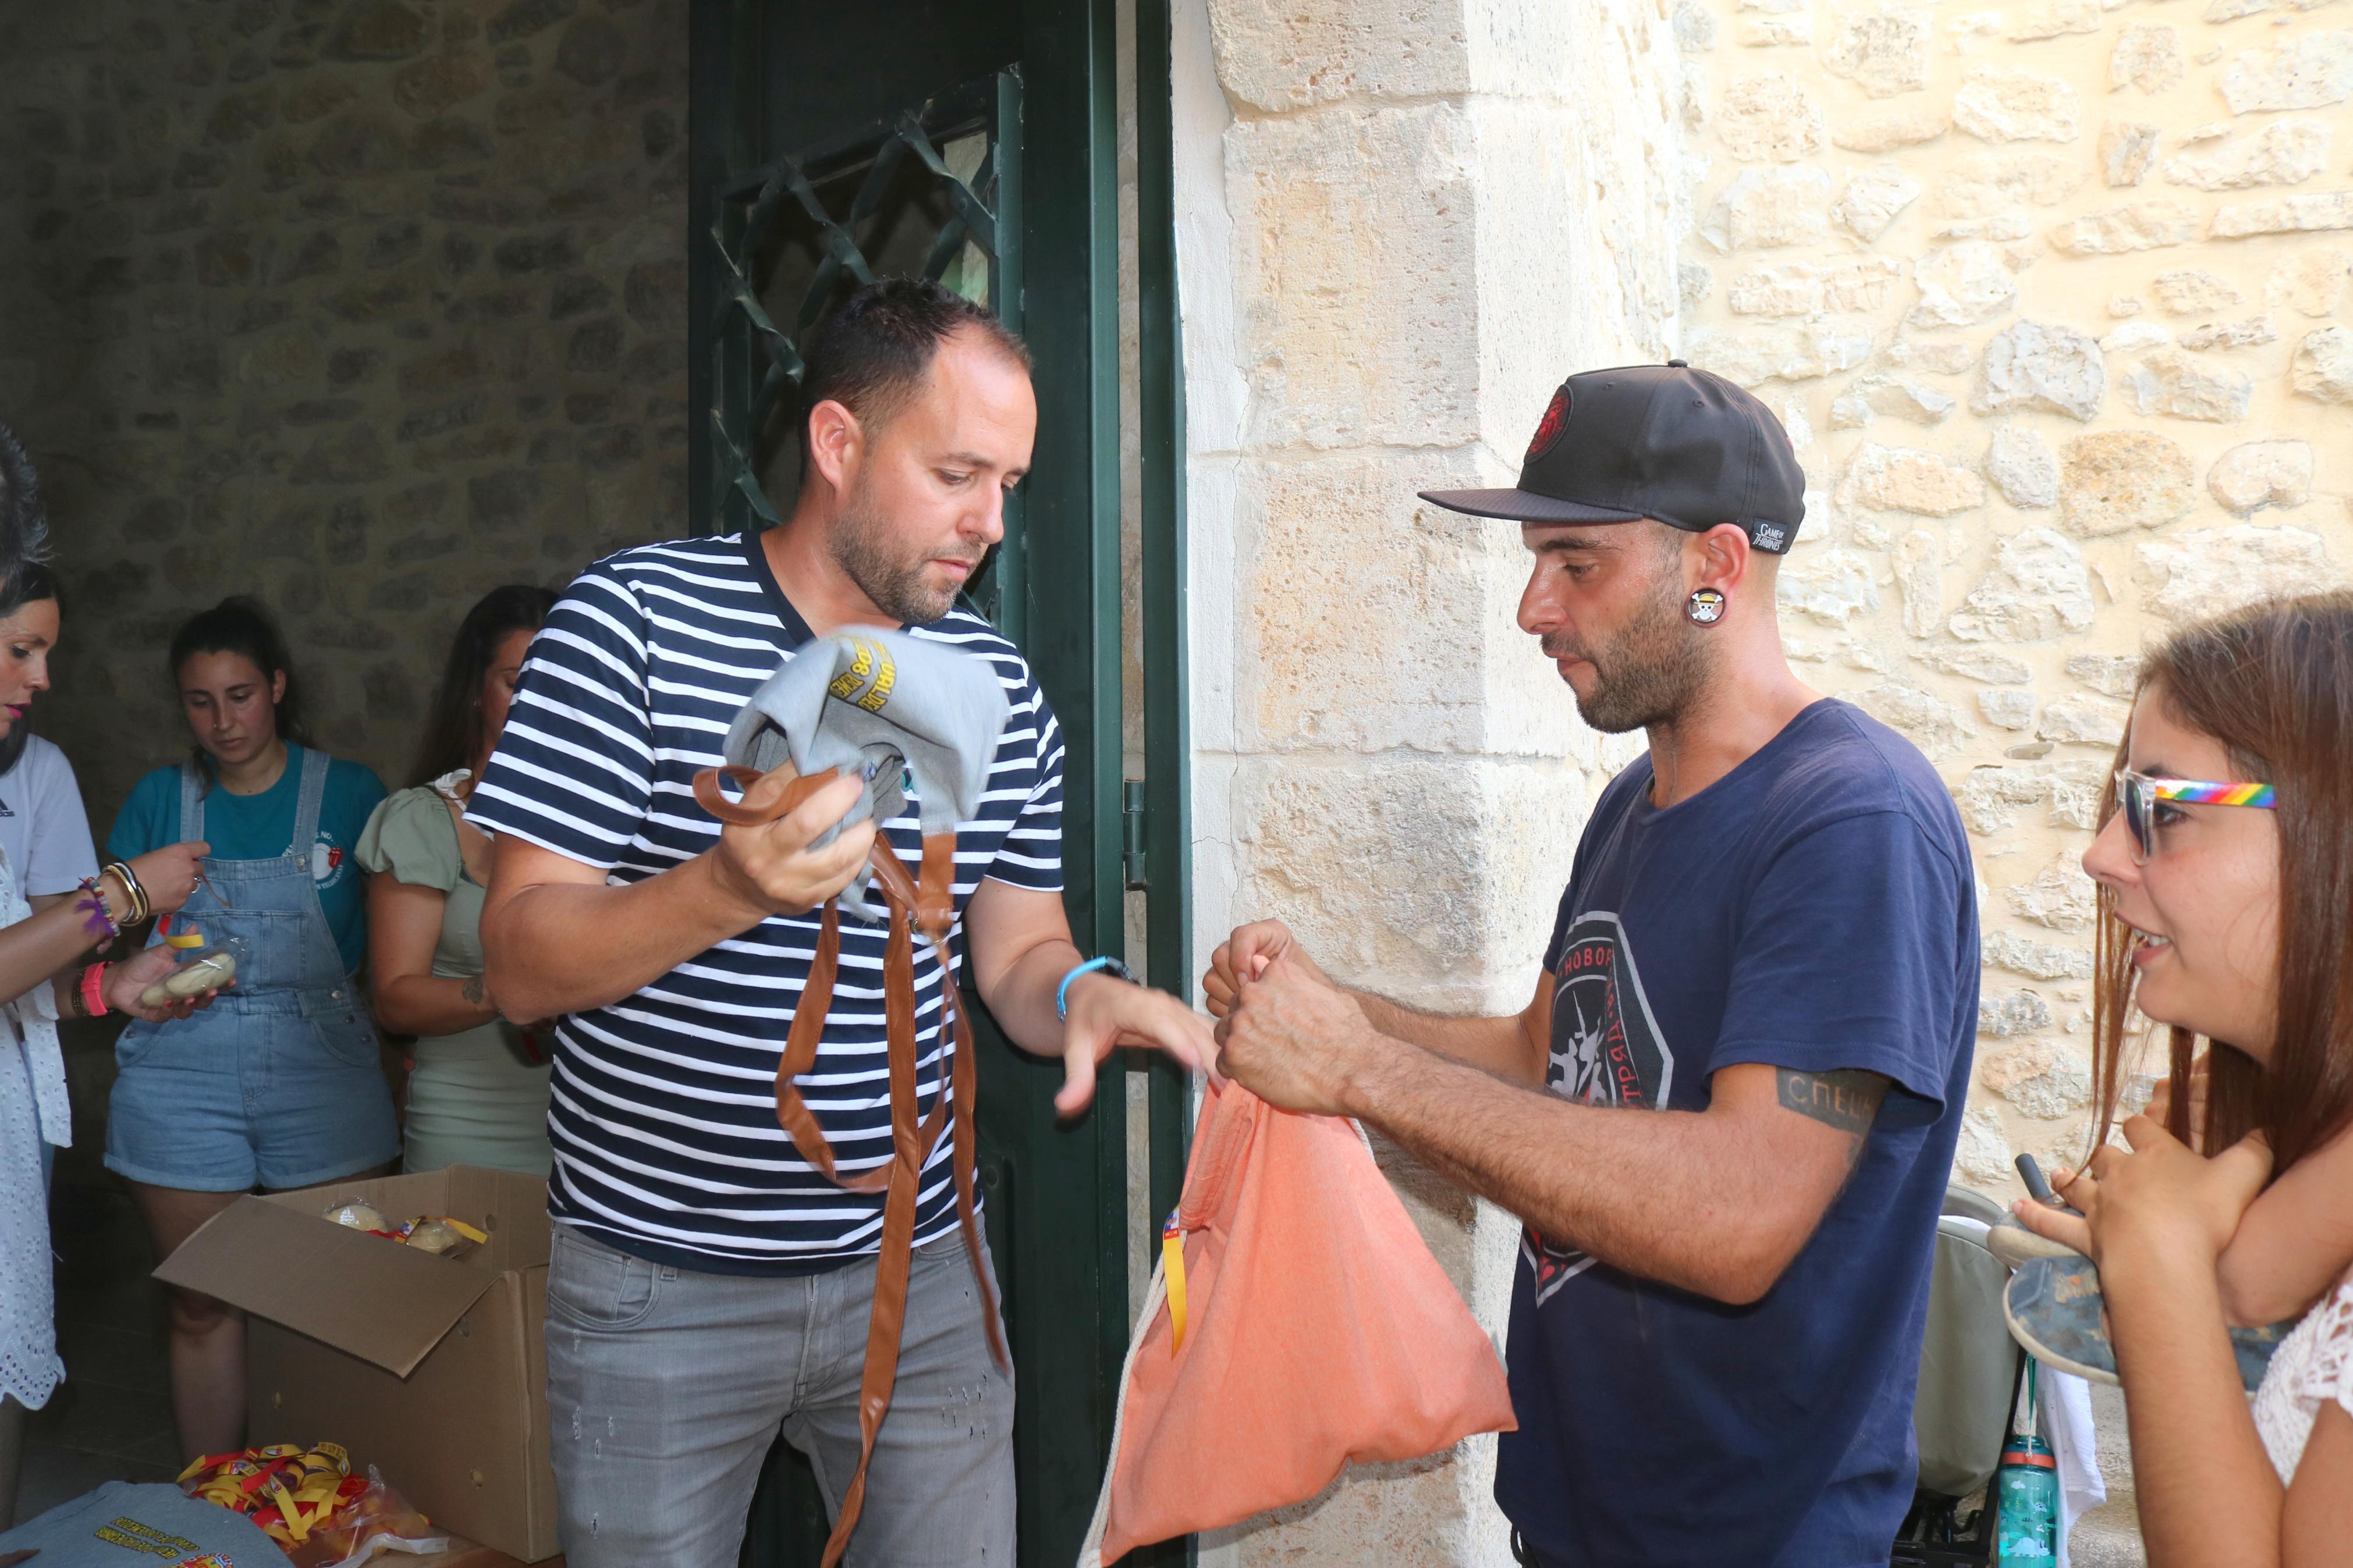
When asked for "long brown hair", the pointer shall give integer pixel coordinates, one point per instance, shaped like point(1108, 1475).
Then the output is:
point(2273, 683)
point(453, 731)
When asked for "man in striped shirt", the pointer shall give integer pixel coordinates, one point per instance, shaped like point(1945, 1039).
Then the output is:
point(708, 1287)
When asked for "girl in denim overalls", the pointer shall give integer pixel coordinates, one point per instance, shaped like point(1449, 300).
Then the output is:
point(280, 1083)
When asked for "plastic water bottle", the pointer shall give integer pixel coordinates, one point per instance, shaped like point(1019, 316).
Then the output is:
point(2029, 1483)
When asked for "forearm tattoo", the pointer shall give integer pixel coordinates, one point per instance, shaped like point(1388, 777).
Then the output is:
point(472, 991)
point(1847, 1099)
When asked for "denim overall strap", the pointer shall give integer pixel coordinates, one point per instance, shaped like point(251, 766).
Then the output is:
point(192, 802)
point(306, 810)
point(321, 960)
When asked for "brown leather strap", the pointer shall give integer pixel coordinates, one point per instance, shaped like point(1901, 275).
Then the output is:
point(809, 1025)
point(899, 889)
point(928, 904)
point(765, 796)
point(900, 894)
point(935, 894)
point(966, 1155)
point(886, 1324)
point(793, 1113)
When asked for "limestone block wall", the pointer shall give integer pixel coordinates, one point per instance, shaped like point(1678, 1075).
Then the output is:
point(2051, 296)
point(362, 306)
point(1400, 225)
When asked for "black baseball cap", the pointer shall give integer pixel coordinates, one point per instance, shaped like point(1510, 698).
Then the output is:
point(1650, 440)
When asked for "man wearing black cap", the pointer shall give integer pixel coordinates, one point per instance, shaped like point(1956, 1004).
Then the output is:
point(1727, 1116)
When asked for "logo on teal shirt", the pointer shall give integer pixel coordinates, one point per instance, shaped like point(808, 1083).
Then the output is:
point(327, 858)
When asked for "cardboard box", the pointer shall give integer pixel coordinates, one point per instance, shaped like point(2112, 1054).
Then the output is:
point(434, 1369)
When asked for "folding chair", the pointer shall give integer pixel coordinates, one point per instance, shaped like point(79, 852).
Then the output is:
point(1970, 1373)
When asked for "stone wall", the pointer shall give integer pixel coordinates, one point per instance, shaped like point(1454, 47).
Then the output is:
point(361, 307)
point(1377, 203)
point(2050, 297)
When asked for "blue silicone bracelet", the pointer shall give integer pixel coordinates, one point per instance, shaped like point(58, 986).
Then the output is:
point(1063, 991)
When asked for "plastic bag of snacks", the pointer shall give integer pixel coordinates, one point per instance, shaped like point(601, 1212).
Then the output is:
point(309, 1502)
point(427, 1233)
point(378, 1520)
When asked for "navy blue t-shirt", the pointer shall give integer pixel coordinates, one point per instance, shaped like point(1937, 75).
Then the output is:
point(1814, 908)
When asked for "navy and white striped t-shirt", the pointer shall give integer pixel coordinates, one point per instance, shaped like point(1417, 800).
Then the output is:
point(663, 1111)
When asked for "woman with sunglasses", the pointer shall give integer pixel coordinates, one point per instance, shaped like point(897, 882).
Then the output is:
point(2225, 869)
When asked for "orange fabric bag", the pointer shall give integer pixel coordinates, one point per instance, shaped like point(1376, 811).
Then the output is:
point(1318, 1332)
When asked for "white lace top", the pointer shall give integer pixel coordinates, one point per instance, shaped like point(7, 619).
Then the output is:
point(2313, 1366)
point(33, 1108)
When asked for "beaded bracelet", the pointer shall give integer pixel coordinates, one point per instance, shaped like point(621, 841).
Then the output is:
point(96, 919)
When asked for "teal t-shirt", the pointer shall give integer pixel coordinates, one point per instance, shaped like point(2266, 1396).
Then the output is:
point(260, 826)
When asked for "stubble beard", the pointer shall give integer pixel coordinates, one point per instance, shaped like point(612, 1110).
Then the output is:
point(886, 569)
point(1648, 674)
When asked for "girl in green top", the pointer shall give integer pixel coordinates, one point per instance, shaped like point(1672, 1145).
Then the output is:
point(478, 1086)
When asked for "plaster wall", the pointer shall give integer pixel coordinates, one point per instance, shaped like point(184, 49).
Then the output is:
point(2050, 297)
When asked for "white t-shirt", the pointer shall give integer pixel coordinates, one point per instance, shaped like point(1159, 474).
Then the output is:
point(42, 825)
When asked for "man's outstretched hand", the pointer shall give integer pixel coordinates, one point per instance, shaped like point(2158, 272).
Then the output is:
point(1106, 1013)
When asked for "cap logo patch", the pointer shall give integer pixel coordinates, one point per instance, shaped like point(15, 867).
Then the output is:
point(1549, 428)
point(1771, 536)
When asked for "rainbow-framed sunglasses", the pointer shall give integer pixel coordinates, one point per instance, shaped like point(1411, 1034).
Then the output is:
point(2140, 795)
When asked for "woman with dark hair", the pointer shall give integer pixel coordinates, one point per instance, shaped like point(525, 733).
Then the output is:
point(281, 1086)
point(56, 903)
point(2225, 869)
point(24, 525)
point(43, 827)
point(477, 1087)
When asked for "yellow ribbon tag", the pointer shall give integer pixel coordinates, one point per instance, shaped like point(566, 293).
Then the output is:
point(1172, 1274)
point(255, 1483)
point(186, 939)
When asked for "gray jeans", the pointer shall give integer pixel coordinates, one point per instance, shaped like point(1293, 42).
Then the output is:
point(666, 1388)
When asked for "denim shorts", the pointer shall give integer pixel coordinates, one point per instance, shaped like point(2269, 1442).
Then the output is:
point(274, 1089)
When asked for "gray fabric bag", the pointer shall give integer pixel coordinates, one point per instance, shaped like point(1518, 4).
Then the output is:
point(123, 1523)
point(884, 706)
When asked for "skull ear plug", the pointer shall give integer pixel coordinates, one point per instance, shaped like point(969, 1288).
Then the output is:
point(1705, 606)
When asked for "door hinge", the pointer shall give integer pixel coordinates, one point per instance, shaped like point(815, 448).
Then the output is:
point(1132, 839)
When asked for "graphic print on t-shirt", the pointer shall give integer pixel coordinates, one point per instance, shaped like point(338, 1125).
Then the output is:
point(326, 860)
point(1606, 1050)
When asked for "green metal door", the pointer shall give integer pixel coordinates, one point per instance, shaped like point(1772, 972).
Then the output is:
point(971, 140)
